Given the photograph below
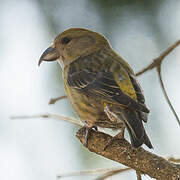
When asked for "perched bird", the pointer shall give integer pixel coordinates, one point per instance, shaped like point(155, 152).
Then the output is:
point(101, 86)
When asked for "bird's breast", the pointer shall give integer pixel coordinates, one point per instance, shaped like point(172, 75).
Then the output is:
point(90, 110)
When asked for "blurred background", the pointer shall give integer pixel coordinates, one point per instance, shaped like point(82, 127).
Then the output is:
point(139, 30)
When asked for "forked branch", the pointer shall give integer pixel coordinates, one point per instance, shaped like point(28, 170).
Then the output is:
point(157, 64)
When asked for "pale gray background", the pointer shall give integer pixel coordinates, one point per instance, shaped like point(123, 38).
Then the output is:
point(38, 149)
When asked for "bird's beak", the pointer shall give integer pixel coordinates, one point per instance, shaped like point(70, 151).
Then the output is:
point(50, 54)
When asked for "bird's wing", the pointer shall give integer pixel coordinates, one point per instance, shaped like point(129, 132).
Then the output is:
point(114, 88)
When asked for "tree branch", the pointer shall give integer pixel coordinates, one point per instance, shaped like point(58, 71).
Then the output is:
point(157, 61)
point(157, 64)
point(121, 151)
point(112, 173)
point(138, 159)
point(106, 173)
point(172, 159)
point(54, 100)
point(142, 161)
point(52, 116)
point(165, 94)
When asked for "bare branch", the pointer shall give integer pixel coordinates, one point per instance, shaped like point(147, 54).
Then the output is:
point(52, 116)
point(91, 172)
point(156, 62)
point(172, 159)
point(122, 152)
point(138, 159)
point(54, 100)
point(166, 96)
point(112, 173)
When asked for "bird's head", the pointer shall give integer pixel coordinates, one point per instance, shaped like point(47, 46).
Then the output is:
point(72, 44)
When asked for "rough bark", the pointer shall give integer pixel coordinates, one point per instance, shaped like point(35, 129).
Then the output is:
point(138, 159)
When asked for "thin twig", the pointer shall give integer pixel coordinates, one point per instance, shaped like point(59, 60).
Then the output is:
point(54, 100)
point(91, 172)
point(112, 173)
point(158, 60)
point(165, 94)
point(173, 160)
point(53, 116)
point(157, 63)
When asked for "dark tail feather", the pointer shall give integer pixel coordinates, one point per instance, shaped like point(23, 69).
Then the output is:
point(135, 128)
point(147, 141)
point(143, 116)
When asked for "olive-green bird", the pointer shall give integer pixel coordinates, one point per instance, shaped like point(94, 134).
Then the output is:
point(101, 86)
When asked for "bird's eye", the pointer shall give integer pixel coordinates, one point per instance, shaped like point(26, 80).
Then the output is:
point(65, 40)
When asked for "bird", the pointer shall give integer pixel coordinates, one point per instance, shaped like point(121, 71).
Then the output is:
point(101, 86)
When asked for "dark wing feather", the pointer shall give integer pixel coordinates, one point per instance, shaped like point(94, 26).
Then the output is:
point(137, 89)
point(103, 85)
point(140, 96)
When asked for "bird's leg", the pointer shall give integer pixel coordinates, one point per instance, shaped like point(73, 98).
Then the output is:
point(116, 137)
point(87, 134)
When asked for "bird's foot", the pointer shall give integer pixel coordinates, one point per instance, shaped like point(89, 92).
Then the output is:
point(117, 137)
point(88, 132)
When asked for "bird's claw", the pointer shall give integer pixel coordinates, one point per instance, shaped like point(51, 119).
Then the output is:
point(87, 133)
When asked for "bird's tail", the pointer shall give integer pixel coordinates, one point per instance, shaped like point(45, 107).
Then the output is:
point(133, 122)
